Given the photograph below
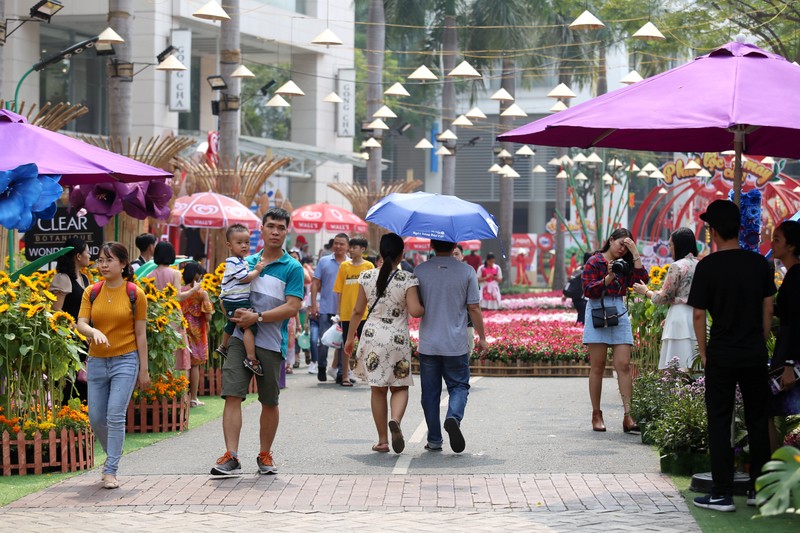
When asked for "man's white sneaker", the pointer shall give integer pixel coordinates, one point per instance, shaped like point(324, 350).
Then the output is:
point(312, 368)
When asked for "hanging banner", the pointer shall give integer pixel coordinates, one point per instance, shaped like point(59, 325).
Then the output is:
point(346, 110)
point(48, 236)
point(180, 81)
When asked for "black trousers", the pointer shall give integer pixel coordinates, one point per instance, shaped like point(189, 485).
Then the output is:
point(720, 397)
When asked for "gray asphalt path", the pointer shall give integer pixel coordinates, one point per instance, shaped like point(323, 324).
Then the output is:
point(512, 425)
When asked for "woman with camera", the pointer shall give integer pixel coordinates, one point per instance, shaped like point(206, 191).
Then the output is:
point(606, 278)
point(678, 338)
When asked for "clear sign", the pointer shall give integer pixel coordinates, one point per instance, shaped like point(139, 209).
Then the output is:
point(48, 236)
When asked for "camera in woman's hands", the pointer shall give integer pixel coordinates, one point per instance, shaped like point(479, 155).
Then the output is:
point(620, 267)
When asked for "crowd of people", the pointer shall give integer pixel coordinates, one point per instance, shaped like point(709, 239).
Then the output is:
point(273, 296)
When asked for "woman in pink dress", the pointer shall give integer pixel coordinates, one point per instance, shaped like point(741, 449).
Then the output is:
point(490, 276)
point(197, 310)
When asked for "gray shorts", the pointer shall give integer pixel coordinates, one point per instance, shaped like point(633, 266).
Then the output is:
point(236, 377)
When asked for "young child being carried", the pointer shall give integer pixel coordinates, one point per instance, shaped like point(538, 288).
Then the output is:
point(235, 293)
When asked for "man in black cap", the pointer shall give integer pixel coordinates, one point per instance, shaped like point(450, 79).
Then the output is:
point(736, 287)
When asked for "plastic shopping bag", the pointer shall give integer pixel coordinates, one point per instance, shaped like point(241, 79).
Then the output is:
point(333, 337)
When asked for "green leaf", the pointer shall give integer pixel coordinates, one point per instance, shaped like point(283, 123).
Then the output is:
point(24, 349)
point(779, 487)
point(10, 336)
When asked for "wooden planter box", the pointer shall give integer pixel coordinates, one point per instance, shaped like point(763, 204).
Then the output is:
point(525, 369)
point(66, 450)
point(211, 382)
point(158, 417)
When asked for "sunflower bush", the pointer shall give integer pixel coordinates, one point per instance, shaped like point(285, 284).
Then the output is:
point(163, 311)
point(647, 321)
point(39, 348)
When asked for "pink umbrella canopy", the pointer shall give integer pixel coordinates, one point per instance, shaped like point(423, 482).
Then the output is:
point(212, 210)
point(737, 97)
point(76, 161)
point(316, 217)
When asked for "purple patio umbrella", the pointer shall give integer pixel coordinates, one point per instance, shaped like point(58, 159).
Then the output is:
point(737, 97)
point(76, 161)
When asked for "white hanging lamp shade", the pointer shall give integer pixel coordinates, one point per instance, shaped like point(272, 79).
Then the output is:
point(108, 35)
point(662, 190)
point(796, 189)
point(580, 176)
point(633, 167)
point(475, 114)
point(242, 72)
point(462, 121)
point(423, 73)
point(443, 151)
point(384, 112)
point(586, 21)
point(423, 144)
point(631, 77)
point(539, 169)
point(514, 111)
point(290, 88)
point(277, 101)
point(649, 32)
point(579, 158)
point(558, 106)
point(502, 95)
point(649, 167)
point(561, 91)
point(495, 168)
point(511, 173)
point(607, 178)
point(504, 154)
point(594, 158)
point(447, 135)
point(171, 63)
point(211, 11)
point(556, 162)
point(562, 175)
point(396, 90)
point(465, 71)
point(503, 170)
point(692, 165)
point(327, 37)
point(378, 124)
point(643, 174)
point(333, 98)
point(703, 173)
point(615, 163)
point(525, 150)
point(768, 160)
point(372, 143)
point(566, 161)
point(656, 174)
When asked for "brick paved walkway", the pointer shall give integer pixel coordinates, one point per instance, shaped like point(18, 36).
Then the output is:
point(544, 502)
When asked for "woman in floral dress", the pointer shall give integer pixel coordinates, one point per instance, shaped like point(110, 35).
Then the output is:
point(197, 310)
point(490, 276)
point(678, 338)
point(384, 350)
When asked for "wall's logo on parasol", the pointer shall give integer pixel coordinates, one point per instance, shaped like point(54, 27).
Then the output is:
point(335, 213)
point(205, 209)
point(236, 211)
point(311, 215)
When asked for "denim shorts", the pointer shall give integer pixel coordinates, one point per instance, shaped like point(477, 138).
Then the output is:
point(619, 334)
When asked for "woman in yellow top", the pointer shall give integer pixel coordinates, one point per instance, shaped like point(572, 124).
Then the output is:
point(115, 327)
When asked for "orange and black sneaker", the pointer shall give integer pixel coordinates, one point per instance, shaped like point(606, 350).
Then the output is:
point(265, 463)
point(227, 466)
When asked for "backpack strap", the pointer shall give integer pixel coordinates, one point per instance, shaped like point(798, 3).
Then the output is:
point(130, 289)
point(95, 291)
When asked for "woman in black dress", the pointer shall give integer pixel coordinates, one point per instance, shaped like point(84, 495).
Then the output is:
point(68, 285)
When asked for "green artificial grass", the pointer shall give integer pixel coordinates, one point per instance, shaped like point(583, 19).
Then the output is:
point(740, 521)
point(15, 487)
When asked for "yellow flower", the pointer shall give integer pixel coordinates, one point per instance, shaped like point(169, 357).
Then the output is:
point(3, 308)
point(11, 293)
point(49, 295)
point(27, 281)
point(34, 309)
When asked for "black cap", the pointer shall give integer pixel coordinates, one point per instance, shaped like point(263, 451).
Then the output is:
point(721, 213)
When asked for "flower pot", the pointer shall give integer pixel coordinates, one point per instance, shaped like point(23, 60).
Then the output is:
point(65, 450)
point(160, 416)
point(685, 463)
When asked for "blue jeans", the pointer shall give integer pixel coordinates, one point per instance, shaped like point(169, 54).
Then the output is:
point(313, 332)
point(455, 371)
point(324, 323)
point(111, 381)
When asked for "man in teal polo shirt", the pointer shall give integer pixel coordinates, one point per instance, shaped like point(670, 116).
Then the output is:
point(276, 295)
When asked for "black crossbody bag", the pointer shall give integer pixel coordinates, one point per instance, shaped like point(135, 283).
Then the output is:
point(603, 317)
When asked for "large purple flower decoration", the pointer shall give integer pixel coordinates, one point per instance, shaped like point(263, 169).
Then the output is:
point(26, 196)
point(153, 202)
point(139, 200)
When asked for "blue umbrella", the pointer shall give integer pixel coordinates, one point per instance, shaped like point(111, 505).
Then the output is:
point(433, 216)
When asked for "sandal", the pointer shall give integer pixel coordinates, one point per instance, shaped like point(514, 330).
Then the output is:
point(223, 351)
point(254, 366)
point(398, 443)
point(346, 383)
point(381, 447)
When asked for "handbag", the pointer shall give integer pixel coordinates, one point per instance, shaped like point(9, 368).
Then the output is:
point(775, 383)
point(603, 317)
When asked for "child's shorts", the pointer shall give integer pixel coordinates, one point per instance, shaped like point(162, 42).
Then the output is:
point(230, 311)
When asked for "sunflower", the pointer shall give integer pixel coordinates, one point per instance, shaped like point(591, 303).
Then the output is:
point(3, 308)
point(49, 295)
point(11, 294)
point(58, 315)
point(28, 282)
point(33, 309)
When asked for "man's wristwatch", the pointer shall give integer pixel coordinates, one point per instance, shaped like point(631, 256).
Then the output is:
point(260, 317)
